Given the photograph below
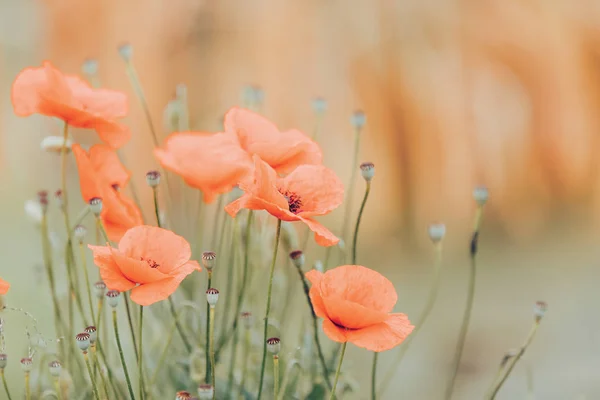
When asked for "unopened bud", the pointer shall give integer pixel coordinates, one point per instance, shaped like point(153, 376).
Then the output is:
point(481, 194)
point(205, 392)
point(3, 361)
point(367, 170)
point(274, 345)
point(247, 319)
point(539, 310)
point(83, 340)
point(319, 266)
point(126, 51)
point(212, 296)
point(436, 232)
point(55, 368)
point(55, 144)
point(80, 232)
point(297, 258)
point(112, 297)
point(96, 205)
point(358, 119)
point(90, 66)
point(91, 330)
point(26, 364)
point(319, 105)
point(183, 395)
point(100, 289)
point(153, 178)
point(209, 259)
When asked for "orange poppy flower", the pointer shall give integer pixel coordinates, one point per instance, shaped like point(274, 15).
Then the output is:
point(4, 286)
point(47, 91)
point(213, 163)
point(101, 174)
point(283, 151)
point(310, 190)
point(150, 261)
point(355, 303)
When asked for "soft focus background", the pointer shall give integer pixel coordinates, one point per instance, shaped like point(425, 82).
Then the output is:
point(456, 93)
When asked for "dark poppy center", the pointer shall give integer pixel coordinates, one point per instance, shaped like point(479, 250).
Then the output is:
point(151, 263)
point(294, 201)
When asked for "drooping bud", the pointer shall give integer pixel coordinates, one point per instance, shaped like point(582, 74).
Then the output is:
point(358, 119)
point(209, 259)
point(100, 289)
point(153, 178)
point(125, 51)
point(436, 232)
point(319, 266)
point(83, 340)
point(96, 206)
point(183, 395)
point(319, 105)
point(274, 345)
point(55, 368)
point(26, 364)
point(247, 319)
point(91, 330)
point(112, 297)
point(481, 195)
point(54, 144)
point(539, 310)
point(367, 170)
point(90, 66)
point(80, 232)
point(297, 258)
point(3, 361)
point(205, 392)
point(212, 296)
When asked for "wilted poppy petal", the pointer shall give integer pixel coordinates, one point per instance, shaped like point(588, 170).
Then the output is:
point(4, 286)
point(109, 270)
point(351, 315)
point(323, 236)
point(151, 293)
point(383, 336)
point(318, 187)
point(136, 269)
point(334, 332)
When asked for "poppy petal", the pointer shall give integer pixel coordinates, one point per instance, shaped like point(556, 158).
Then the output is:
point(383, 336)
point(112, 133)
point(323, 236)
point(334, 332)
point(89, 183)
point(351, 315)
point(108, 104)
point(150, 293)
point(316, 300)
point(4, 286)
point(109, 270)
point(318, 187)
point(119, 214)
point(136, 269)
point(108, 166)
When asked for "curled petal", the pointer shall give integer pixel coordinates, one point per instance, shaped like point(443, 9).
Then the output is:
point(150, 293)
point(323, 236)
point(334, 332)
point(383, 336)
point(109, 270)
point(351, 315)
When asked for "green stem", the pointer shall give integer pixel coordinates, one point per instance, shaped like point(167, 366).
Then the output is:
point(156, 210)
point(141, 354)
point(275, 376)
point(268, 309)
point(211, 350)
point(337, 372)
point(56, 387)
point(87, 280)
point(231, 263)
point(74, 280)
point(97, 366)
point(374, 376)
point(360, 213)
point(123, 363)
point(131, 328)
point(5, 384)
point(433, 292)
point(232, 365)
point(89, 368)
point(246, 358)
point(185, 340)
point(207, 377)
point(27, 386)
point(163, 354)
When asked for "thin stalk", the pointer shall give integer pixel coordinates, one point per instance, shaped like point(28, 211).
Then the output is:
point(5, 384)
point(218, 231)
point(137, 87)
point(360, 213)
point(27, 386)
point(469, 306)
point(286, 378)
point(74, 280)
point(156, 210)
point(123, 363)
point(246, 358)
point(185, 340)
point(433, 292)
point(131, 328)
point(141, 354)
point(207, 377)
point(97, 366)
point(275, 376)
point(87, 279)
point(268, 310)
point(374, 376)
point(515, 360)
point(230, 263)
point(59, 394)
point(232, 364)
point(163, 354)
point(89, 368)
point(337, 372)
point(211, 350)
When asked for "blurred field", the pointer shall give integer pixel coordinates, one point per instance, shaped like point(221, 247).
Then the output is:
point(503, 93)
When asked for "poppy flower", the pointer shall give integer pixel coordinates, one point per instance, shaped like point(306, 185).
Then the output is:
point(310, 190)
point(283, 151)
point(101, 175)
point(213, 163)
point(4, 286)
point(49, 92)
point(150, 261)
point(355, 303)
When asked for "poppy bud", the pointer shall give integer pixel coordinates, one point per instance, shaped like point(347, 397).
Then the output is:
point(341, 244)
point(183, 395)
point(481, 194)
point(319, 266)
point(96, 205)
point(436, 232)
point(125, 51)
point(358, 119)
point(90, 66)
point(205, 392)
point(100, 289)
point(297, 258)
point(539, 310)
point(54, 144)
point(112, 296)
point(55, 368)
point(26, 364)
point(83, 340)
point(319, 105)
point(153, 178)
point(212, 296)
point(91, 330)
point(274, 345)
point(209, 259)
point(80, 232)
point(367, 170)
point(259, 94)
point(247, 319)
point(3, 361)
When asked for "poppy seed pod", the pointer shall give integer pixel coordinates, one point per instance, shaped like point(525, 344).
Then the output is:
point(100, 289)
point(55, 144)
point(436, 232)
point(358, 119)
point(209, 260)
point(112, 296)
point(259, 94)
point(247, 319)
point(80, 232)
point(367, 170)
point(26, 364)
point(212, 296)
point(539, 310)
point(54, 367)
point(83, 340)
point(183, 395)
point(319, 266)
point(153, 178)
point(90, 66)
point(319, 105)
point(481, 194)
point(205, 392)
point(297, 258)
point(274, 345)
point(91, 330)
point(125, 51)
point(96, 206)
point(3, 361)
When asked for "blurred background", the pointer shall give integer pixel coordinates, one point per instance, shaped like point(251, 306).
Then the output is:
point(456, 93)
